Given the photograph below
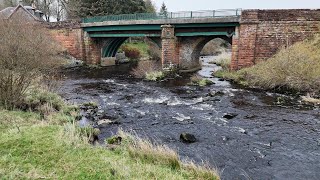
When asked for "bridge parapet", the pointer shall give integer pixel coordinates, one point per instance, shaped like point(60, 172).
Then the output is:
point(165, 16)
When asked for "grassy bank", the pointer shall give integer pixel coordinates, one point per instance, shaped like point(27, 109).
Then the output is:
point(36, 148)
point(295, 69)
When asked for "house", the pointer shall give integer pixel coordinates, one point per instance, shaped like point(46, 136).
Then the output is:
point(28, 13)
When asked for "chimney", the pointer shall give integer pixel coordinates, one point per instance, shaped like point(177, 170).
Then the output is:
point(33, 5)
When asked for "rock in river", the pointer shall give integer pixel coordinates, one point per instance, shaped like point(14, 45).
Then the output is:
point(187, 138)
point(230, 115)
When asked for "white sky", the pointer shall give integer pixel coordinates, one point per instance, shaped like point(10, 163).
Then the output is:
point(187, 5)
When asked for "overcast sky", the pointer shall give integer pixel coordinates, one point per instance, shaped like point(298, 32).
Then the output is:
point(187, 5)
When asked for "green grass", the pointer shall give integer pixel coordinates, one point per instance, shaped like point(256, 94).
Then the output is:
point(197, 80)
point(155, 76)
point(40, 149)
point(142, 46)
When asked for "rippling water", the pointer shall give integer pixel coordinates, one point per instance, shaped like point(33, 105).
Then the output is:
point(266, 140)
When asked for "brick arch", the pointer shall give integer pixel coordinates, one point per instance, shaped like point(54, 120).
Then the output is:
point(190, 49)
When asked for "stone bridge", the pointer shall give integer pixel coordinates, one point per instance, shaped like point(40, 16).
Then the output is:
point(255, 35)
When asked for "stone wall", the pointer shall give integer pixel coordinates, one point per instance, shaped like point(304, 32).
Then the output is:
point(263, 32)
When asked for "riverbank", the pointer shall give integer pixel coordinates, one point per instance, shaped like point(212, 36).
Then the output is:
point(32, 147)
point(294, 70)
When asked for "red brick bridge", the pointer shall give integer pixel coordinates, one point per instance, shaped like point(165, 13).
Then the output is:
point(255, 35)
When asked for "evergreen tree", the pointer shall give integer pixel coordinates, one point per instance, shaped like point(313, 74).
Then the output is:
point(150, 6)
point(164, 10)
point(88, 8)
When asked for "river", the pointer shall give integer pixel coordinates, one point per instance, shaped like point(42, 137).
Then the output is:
point(272, 136)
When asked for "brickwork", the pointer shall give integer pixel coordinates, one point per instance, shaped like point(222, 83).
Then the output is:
point(92, 49)
point(75, 41)
point(169, 46)
point(263, 32)
point(69, 35)
point(70, 40)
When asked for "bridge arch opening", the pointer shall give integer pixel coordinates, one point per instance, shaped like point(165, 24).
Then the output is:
point(193, 48)
point(111, 46)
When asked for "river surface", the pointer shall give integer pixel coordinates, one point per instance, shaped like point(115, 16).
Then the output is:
point(272, 136)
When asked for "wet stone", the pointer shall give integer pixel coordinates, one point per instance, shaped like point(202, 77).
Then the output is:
point(187, 138)
point(250, 116)
point(230, 116)
point(215, 93)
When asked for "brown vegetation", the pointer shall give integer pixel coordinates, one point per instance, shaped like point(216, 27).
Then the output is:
point(131, 52)
point(25, 53)
point(144, 67)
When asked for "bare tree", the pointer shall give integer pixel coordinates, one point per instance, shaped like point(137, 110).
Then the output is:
point(25, 51)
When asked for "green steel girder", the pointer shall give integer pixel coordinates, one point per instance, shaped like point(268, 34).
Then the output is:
point(106, 48)
point(146, 27)
point(102, 35)
point(178, 34)
point(203, 34)
point(116, 46)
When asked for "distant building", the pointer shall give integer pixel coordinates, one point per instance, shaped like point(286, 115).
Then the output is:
point(27, 13)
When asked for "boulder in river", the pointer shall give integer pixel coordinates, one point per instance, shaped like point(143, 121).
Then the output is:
point(230, 115)
point(187, 138)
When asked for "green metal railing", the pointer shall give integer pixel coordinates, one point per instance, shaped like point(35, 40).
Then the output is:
point(168, 15)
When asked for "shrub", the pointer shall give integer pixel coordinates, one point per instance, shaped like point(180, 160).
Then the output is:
point(155, 76)
point(131, 52)
point(25, 51)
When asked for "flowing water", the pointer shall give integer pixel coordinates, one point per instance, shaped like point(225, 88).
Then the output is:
point(272, 136)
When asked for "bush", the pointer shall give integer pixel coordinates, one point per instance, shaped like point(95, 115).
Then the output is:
point(25, 51)
point(155, 76)
point(131, 52)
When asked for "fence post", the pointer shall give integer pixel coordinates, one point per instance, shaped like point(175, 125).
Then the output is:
point(191, 14)
point(214, 13)
point(171, 15)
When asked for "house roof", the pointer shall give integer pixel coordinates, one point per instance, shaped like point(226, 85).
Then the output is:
point(5, 13)
point(9, 11)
